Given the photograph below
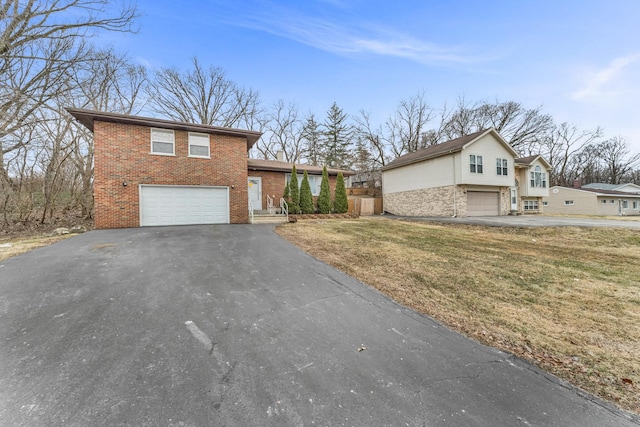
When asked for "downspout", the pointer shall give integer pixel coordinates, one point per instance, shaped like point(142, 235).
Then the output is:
point(455, 190)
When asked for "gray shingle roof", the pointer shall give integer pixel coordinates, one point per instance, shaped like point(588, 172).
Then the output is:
point(276, 166)
point(434, 151)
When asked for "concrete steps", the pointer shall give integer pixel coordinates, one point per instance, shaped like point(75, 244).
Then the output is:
point(266, 218)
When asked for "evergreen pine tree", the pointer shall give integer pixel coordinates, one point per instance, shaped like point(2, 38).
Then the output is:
point(337, 138)
point(306, 198)
point(340, 203)
point(294, 192)
point(312, 139)
point(324, 199)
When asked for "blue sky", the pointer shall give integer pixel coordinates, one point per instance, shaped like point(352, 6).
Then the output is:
point(579, 59)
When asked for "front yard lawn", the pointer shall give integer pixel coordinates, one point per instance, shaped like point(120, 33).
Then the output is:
point(566, 299)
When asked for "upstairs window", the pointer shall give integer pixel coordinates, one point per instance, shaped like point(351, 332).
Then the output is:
point(501, 167)
point(538, 179)
point(475, 164)
point(199, 145)
point(162, 142)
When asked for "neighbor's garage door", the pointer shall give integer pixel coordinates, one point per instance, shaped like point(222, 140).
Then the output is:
point(481, 203)
point(183, 205)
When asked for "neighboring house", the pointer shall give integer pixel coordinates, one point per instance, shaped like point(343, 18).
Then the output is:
point(475, 175)
point(371, 179)
point(625, 188)
point(151, 171)
point(269, 178)
point(592, 201)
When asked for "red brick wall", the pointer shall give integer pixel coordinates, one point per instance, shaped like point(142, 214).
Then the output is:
point(122, 154)
point(273, 184)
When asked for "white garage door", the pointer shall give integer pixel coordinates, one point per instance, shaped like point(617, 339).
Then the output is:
point(481, 203)
point(183, 205)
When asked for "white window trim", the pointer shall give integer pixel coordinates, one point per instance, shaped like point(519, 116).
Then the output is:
point(635, 205)
point(477, 164)
point(537, 178)
point(200, 144)
point(315, 189)
point(502, 167)
point(173, 141)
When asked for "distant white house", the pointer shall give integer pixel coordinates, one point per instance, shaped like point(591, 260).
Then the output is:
point(591, 200)
point(625, 188)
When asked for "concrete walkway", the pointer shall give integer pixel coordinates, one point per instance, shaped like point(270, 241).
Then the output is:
point(233, 326)
point(529, 221)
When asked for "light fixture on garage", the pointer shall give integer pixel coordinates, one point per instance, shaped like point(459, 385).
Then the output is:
point(124, 184)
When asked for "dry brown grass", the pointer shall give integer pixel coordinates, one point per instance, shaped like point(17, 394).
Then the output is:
point(17, 246)
point(566, 299)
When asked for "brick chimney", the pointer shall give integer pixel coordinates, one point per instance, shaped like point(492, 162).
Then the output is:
point(577, 183)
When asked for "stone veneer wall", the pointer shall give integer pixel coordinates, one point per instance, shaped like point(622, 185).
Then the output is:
point(505, 200)
point(425, 202)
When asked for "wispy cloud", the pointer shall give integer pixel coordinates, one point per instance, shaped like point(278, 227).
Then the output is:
point(349, 38)
point(605, 83)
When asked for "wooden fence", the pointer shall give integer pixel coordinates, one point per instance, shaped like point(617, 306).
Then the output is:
point(364, 206)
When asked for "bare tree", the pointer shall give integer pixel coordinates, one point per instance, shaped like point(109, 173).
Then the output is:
point(522, 128)
point(40, 41)
point(407, 127)
point(617, 160)
point(373, 137)
point(204, 96)
point(54, 158)
point(284, 133)
point(110, 82)
point(564, 148)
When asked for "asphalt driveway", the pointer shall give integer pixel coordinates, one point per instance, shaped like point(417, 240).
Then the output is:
point(233, 326)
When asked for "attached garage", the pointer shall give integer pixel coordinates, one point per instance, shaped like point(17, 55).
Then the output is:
point(483, 203)
point(183, 205)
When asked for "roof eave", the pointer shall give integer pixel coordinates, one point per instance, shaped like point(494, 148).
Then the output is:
point(88, 118)
point(420, 160)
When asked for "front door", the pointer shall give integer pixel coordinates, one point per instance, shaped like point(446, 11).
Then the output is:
point(255, 192)
point(514, 199)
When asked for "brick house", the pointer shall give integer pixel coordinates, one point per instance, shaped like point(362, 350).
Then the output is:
point(150, 171)
point(269, 178)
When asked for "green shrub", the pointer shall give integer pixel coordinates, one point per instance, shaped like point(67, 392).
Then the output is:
point(294, 192)
point(324, 198)
point(306, 198)
point(340, 202)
